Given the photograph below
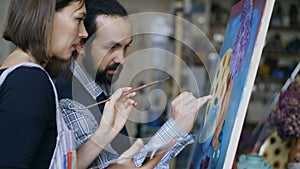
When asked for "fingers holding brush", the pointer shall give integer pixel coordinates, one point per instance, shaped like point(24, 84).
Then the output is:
point(117, 110)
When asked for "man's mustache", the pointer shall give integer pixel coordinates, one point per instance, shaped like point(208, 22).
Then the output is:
point(104, 76)
point(113, 67)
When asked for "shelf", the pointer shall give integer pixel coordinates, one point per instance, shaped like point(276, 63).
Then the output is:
point(280, 54)
point(218, 25)
point(284, 28)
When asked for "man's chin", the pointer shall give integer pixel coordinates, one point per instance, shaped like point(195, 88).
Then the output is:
point(112, 78)
point(101, 78)
point(107, 77)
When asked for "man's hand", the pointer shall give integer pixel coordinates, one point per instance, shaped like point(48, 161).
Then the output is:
point(126, 159)
point(115, 114)
point(185, 108)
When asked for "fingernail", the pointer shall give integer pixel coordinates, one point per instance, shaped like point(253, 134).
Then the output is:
point(139, 142)
point(209, 96)
point(131, 101)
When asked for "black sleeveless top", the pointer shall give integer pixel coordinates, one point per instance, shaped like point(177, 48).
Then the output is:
point(27, 119)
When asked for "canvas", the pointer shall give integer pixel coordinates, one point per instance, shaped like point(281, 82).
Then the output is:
point(219, 133)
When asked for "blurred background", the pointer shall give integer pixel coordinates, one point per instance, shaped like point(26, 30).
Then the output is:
point(198, 55)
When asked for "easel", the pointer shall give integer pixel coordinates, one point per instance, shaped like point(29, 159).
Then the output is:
point(178, 45)
point(273, 104)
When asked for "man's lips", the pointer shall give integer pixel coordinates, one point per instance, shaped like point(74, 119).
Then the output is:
point(112, 71)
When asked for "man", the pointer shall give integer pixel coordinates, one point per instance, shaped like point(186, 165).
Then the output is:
point(103, 55)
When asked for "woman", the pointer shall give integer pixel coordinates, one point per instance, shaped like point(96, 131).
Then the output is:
point(30, 121)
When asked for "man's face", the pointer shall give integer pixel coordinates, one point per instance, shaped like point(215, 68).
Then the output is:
point(108, 49)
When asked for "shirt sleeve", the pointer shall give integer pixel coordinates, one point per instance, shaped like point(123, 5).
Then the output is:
point(78, 119)
point(170, 130)
point(84, 124)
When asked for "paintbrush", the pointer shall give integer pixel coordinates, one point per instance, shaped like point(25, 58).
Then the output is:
point(130, 91)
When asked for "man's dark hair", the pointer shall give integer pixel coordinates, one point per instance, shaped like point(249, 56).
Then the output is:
point(101, 7)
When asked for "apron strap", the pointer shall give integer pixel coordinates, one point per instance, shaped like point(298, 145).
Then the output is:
point(61, 126)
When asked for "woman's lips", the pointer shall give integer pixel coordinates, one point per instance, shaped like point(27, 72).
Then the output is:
point(76, 47)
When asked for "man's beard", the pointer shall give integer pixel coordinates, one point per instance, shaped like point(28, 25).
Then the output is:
point(105, 77)
point(102, 76)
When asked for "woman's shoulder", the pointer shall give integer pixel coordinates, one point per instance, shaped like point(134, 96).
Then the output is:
point(30, 73)
point(25, 76)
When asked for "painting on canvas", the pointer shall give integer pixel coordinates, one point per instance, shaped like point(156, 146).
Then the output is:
point(218, 136)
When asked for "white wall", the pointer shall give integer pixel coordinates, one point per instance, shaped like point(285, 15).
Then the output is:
point(133, 6)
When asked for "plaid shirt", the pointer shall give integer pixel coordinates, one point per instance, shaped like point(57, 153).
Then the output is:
point(84, 123)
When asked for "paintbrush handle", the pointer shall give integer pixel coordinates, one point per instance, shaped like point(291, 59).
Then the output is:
point(142, 87)
point(95, 104)
point(147, 85)
point(130, 91)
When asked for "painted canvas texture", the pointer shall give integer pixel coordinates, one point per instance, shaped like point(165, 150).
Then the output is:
point(218, 136)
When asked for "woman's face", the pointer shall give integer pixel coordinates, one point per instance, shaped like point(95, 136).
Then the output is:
point(68, 30)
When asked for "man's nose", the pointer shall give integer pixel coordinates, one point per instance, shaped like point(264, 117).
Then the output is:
point(119, 57)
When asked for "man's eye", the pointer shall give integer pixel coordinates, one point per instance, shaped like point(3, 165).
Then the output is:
point(114, 47)
point(79, 19)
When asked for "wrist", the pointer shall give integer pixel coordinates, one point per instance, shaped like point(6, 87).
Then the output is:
point(183, 124)
point(101, 138)
point(177, 127)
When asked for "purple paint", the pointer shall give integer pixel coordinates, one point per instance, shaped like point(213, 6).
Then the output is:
point(242, 41)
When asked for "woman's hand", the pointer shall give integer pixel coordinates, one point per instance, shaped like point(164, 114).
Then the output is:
point(185, 108)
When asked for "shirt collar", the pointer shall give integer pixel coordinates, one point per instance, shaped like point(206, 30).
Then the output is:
point(89, 84)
